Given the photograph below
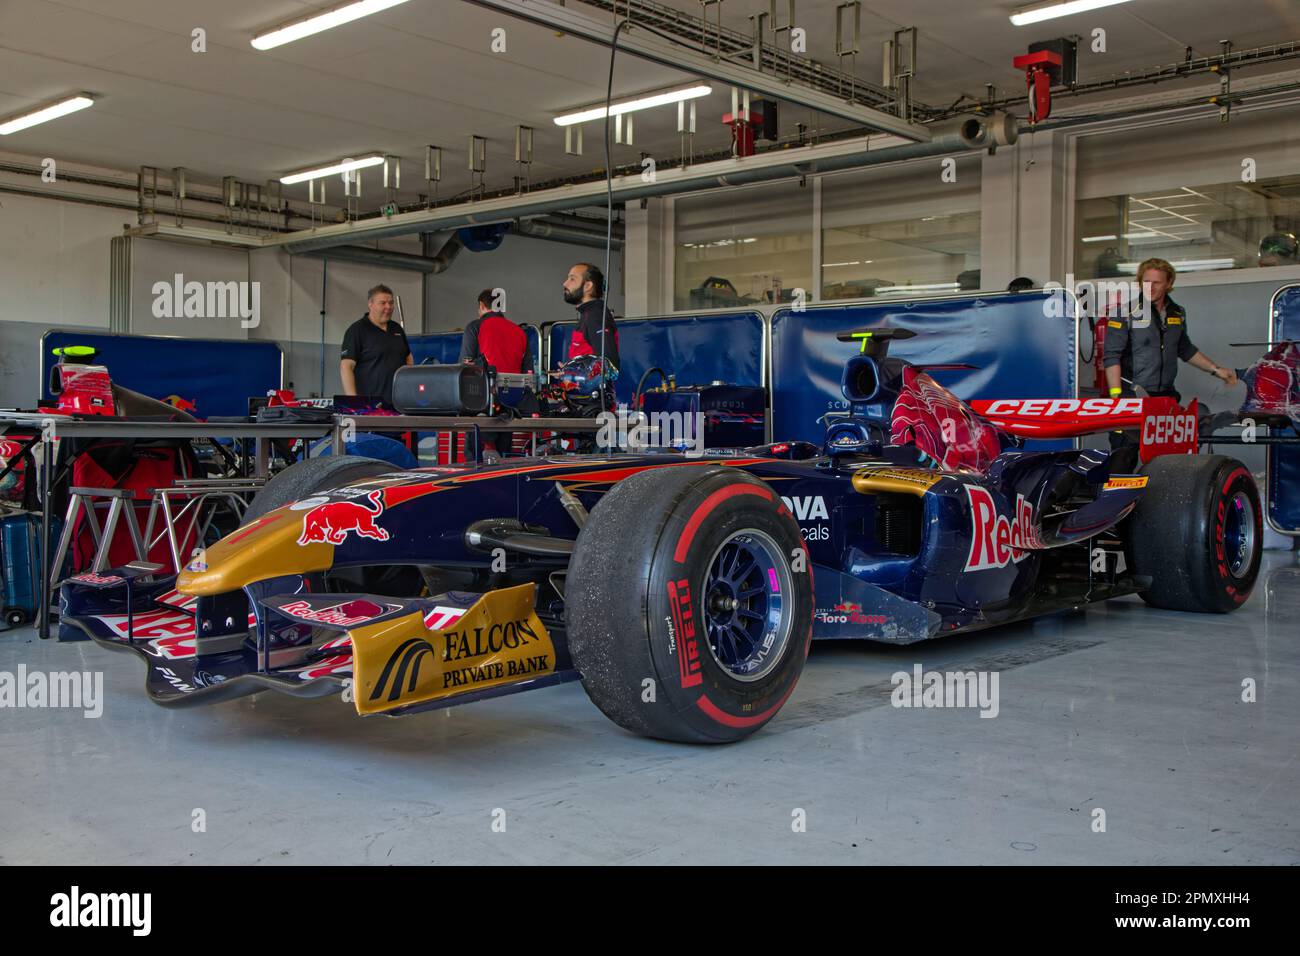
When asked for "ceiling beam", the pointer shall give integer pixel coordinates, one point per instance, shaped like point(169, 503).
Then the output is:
point(657, 49)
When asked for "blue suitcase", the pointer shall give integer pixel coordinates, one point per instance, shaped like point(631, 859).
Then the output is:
point(20, 565)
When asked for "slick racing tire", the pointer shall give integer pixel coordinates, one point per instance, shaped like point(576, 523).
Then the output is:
point(313, 475)
point(1197, 532)
point(689, 605)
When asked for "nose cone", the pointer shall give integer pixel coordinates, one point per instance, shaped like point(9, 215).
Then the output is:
point(265, 548)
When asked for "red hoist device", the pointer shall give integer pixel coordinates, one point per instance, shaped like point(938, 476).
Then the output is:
point(1038, 67)
point(748, 124)
point(1048, 64)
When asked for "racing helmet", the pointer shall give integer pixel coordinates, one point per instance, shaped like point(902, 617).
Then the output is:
point(1279, 249)
point(585, 382)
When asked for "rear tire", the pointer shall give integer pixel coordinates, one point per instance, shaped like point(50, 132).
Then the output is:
point(689, 606)
point(1198, 532)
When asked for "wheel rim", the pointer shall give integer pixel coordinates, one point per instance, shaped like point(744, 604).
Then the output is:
point(1239, 535)
point(747, 605)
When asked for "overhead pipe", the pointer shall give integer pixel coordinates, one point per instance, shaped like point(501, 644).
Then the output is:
point(560, 232)
point(954, 137)
point(649, 43)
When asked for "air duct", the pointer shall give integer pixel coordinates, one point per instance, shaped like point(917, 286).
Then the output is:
point(384, 258)
point(562, 232)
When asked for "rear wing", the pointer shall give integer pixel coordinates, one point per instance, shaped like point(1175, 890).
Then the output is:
point(1164, 427)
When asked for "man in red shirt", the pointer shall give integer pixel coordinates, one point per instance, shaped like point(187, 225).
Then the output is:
point(500, 343)
point(495, 338)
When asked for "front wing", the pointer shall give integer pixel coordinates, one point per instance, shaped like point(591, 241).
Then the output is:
point(385, 655)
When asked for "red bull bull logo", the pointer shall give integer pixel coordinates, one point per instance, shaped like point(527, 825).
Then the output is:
point(330, 522)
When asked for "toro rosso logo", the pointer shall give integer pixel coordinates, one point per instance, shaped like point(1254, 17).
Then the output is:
point(331, 521)
point(997, 541)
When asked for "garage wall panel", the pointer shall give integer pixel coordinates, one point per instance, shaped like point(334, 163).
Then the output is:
point(1018, 348)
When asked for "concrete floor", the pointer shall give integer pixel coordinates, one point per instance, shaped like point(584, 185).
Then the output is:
point(1134, 711)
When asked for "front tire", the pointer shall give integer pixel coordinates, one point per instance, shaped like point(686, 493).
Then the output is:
point(312, 476)
point(689, 605)
point(1197, 532)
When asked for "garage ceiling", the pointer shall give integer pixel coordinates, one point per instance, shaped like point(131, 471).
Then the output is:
point(423, 73)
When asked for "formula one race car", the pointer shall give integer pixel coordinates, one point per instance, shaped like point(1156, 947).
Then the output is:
point(680, 590)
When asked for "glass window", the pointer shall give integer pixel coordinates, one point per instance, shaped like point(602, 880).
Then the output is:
point(901, 230)
point(743, 246)
point(1202, 194)
point(1232, 225)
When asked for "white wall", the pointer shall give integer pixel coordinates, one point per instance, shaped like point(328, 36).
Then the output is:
point(54, 260)
point(531, 271)
point(54, 270)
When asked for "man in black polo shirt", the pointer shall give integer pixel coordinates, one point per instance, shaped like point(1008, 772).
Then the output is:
point(584, 287)
point(374, 348)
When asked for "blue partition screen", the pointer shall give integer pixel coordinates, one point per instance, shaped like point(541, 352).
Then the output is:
point(1283, 486)
point(443, 348)
point(218, 376)
point(1023, 346)
point(697, 349)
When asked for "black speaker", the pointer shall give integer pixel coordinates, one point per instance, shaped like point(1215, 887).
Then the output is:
point(441, 390)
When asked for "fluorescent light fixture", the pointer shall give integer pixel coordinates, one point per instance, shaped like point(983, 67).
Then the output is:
point(343, 166)
point(932, 287)
point(318, 22)
point(1058, 8)
point(1098, 238)
point(1139, 235)
point(837, 265)
point(1189, 265)
point(644, 102)
point(45, 113)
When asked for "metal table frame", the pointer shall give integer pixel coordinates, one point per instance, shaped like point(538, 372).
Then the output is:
point(54, 427)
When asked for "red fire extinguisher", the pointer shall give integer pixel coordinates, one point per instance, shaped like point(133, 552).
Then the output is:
point(1098, 353)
